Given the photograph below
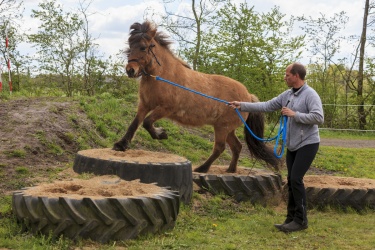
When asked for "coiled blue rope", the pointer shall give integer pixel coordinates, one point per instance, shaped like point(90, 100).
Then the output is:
point(283, 119)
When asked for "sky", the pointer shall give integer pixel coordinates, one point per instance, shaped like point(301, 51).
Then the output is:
point(112, 19)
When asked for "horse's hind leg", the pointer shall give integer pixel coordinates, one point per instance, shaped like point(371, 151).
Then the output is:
point(219, 147)
point(236, 147)
point(148, 124)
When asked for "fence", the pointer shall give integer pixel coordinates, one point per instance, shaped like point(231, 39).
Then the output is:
point(345, 118)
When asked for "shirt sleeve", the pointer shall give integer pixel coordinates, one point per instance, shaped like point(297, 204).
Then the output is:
point(315, 114)
point(268, 106)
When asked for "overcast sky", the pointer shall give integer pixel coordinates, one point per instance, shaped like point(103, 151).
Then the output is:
point(113, 17)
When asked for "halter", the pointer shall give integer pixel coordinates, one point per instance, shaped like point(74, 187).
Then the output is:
point(137, 60)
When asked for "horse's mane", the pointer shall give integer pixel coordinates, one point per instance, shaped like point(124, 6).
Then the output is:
point(140, 31)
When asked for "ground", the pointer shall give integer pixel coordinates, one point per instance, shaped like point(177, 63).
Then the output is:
point(37, 140)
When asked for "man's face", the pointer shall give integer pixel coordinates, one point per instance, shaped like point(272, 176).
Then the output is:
point(289, 78)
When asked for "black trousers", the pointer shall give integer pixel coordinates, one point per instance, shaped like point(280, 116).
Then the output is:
point(298, 162)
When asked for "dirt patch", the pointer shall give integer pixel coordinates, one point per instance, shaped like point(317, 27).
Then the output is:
point(140, 156)
point(221, 170)
point(96, 188)
point(347, 143)
point(37, 139)
point(338, 182)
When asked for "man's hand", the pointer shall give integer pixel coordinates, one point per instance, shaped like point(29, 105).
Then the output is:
point(287, 112)
point(235, 105)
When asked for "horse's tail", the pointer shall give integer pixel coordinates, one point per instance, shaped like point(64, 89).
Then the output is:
point(257, 148)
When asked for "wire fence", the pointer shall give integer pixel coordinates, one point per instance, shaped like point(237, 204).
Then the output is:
point(339, 117)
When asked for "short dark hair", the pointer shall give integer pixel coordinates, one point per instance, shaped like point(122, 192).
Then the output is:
point(299, 69)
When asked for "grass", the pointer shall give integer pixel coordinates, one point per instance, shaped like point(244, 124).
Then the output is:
point(20, 153)
point(354, 162)
point(225, 225)
point(350, 135)
point(52, 146)
point(210, 222)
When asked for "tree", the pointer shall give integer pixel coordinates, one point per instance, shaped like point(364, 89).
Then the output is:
point(361, 102)
point(90, 59)
point(58, 42)
point(323, 38)
point(187, 28)
point(10, 15)
point(253, 48)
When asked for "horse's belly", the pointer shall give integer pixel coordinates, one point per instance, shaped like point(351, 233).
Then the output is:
point(199, 118)
point(188, 118)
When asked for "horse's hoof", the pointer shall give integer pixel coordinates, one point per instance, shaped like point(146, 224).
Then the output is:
point(201, 169)
point(161, 134)
point(231, 170)
point(119, 147)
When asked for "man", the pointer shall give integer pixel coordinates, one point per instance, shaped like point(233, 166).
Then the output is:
point(303, 107)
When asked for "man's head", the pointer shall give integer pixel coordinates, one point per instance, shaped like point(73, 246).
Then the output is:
point(295, 75)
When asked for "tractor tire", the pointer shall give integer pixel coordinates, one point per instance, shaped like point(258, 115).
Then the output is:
point(264, 188)
point(103, 220)
point(175, 175)
point(330, 192)
point(343, 198)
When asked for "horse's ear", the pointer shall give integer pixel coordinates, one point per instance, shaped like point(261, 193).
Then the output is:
point(152, 31)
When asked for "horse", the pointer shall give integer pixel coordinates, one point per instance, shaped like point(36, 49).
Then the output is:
point(149, 55)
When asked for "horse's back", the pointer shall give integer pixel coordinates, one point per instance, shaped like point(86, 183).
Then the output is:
point(229, 88)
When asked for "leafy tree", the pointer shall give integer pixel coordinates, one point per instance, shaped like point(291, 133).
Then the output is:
point(323, 36)
point(337, 80)
point(252, 47)
point(187, 27)
point(361, 110)
point(58, 42)
point(116, 81)
point(90, 61)
point(10, 15)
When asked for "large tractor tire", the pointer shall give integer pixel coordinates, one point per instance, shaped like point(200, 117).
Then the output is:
point(342, 192)
point(99, 219)
point(168, 171)
point(263, 187)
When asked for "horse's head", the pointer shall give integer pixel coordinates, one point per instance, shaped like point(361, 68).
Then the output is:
point(143, 42)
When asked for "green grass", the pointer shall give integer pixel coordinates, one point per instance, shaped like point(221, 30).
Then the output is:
point(53, 147)
point(350, 135)
point(354, 162)
point(20, 153)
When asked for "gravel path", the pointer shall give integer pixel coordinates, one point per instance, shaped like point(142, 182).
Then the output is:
point(346, 143)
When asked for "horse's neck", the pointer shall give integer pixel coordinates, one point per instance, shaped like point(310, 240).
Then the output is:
point(169, 67)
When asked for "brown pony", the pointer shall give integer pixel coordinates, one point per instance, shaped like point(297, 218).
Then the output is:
point(149, 55)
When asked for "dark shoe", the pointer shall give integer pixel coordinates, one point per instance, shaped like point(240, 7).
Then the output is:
point(278, 226)
point(293, 227)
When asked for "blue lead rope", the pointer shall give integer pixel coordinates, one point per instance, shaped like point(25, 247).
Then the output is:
point(282, 132)
point(283, 119)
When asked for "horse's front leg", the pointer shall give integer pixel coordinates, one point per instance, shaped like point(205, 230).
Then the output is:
point(123, 144)
point(219, 147)
point(148, 123)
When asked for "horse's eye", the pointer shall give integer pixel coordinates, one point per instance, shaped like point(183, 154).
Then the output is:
point(143, 48)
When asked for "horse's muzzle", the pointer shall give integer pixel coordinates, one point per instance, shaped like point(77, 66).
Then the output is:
point(133, 70)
